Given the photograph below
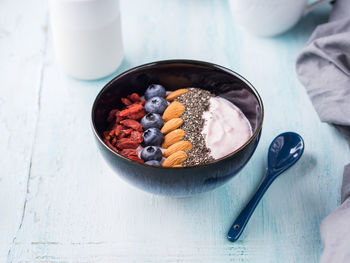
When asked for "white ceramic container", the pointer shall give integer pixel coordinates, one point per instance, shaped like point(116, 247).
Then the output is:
point(87, 36)
point(270, 17)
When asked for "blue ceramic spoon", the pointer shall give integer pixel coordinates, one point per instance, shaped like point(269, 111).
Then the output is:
point(284, 151)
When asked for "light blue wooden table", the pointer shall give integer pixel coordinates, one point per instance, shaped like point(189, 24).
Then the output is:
point(59, 202)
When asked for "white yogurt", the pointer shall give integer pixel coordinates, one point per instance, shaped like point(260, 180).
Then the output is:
point(225, 127)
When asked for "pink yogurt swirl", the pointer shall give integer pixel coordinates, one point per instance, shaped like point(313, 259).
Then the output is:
point(225, 127)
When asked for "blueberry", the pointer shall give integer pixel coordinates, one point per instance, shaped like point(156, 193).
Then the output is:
point(152, 136)
point(152, 120)
point(150, 153)
point(156, 105)
point(155, 90)
point(153, 163)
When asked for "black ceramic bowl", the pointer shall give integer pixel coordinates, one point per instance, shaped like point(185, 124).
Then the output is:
point(175, 74)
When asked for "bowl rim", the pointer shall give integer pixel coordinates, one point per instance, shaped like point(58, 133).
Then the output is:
point(179, 61)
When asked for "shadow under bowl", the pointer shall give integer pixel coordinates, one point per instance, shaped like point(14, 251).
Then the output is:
point(176, 74)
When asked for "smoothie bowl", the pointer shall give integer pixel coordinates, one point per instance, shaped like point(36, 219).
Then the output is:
point(177, 127)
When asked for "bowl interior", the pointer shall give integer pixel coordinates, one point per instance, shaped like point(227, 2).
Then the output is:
point(177, 74)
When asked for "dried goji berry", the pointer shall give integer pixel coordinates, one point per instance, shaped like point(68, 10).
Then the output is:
point(118, 130)
point(134, 97)
point(136, 103)
point(118, 118)
point(122, 140)
point(126, 143)
point(131, 105)
point(135, 158)
point(132, 124)
point(111, 146)
point(124, 133)
point(127, 131)
point(126, 101)
point(127, 152)
point(112, 115)
point(136, 136)
point(133, 109)
point(137, 115)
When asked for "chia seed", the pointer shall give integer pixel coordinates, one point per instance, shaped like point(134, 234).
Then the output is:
point(196, 101)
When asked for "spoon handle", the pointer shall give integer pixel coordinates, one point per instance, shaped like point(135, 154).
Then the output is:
point(243, 218)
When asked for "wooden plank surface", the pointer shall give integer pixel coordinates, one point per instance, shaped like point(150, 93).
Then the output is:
point(59, 202)
point(23, 41)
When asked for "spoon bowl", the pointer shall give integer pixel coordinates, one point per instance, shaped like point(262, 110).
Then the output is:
point(284, 151)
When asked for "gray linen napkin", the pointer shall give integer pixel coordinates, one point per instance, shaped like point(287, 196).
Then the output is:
point(324, 69)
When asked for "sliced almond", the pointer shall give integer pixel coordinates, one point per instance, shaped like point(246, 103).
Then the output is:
point(173, 137)
point(175, 159)
point(178, 146)
point(174, 110)
point(172, 125)
point(176, 94)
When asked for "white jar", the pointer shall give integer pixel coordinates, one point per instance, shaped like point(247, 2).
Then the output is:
point(87, 36)
point(270, 17)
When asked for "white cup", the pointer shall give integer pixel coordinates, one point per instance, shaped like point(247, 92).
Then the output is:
point(270, 17)
point(87, 36)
